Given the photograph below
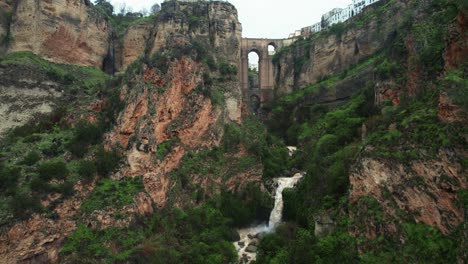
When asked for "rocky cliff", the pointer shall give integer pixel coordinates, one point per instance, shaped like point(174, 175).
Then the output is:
point(176, 98)
point(376, 105)
point(338, 48)
point(72, 32)
point(213, 22)
point(173, 108)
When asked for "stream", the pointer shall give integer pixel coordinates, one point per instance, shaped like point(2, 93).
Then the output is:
point(250, 237)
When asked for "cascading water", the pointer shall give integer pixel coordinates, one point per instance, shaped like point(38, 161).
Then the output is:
point(249, 237)
point(277, 212)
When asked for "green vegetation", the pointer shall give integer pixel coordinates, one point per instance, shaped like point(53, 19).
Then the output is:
point(456, 85)
point(86, 169)
point(197, 222)
point(46, 167)
point(77, 79)
point(113, 193)
point(53, 170)
point(165, 148)
point(177, 239)
point(106, 161)
point(330, 137)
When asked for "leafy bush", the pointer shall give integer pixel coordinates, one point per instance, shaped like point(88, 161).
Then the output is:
point(23, 205)
point(159, 61)
point(84, 135)
point(87, 169)
point(165, 148)
point(9, 178)
point(227, 69)
point(53, 170)
point(337, 29)
point(106, 162)
point(31, 158)
point(232, 136)
point(113, 193)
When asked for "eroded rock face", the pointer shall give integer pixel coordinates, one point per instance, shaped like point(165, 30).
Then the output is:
point(425, 190)
point(134, 43)
point(25, 93)
point(39, 239)
point(212, 22)
point(168, 110)
point(64, 31)
point(336, 52)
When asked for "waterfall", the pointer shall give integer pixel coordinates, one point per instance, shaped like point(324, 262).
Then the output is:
point(277, 212)
point(250, 237)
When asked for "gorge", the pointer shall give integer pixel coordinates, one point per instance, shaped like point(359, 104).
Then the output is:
point(127, 139)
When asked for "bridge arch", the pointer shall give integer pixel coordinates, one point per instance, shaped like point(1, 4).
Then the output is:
point(265, 91)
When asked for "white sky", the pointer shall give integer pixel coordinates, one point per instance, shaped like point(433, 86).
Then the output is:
point(266, 18)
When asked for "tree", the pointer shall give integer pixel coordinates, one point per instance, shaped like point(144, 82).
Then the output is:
point(155, 8)
point(105, 6)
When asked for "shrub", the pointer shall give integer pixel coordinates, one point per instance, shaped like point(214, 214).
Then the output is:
point(227, 69)
point(113, 193)
point(165, 148)
point(84, 134)
point(86, 169)
point(106, 162)
point(23, 205)
point(231, 137)
point(9, 177)
point(31, 158)
point(53, 170)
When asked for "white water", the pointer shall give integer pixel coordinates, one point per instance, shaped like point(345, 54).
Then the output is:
point(250, 235)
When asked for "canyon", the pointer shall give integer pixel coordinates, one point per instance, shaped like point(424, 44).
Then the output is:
point(376, 106)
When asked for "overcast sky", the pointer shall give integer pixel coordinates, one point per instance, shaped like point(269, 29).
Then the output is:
point(266, 18)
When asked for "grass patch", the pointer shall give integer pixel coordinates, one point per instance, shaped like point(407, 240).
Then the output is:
point(113, 193)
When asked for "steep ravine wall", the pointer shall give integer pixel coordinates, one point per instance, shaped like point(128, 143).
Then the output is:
point(62, 31)
point(387, 192)
point(330, 52)
point(158, 106)
point(171, 109)
point(212, 22)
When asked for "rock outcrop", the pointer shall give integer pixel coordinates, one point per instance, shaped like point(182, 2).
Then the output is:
point(173, 108)
point(332, 52)
point(24, 93)
point(208, 22)
point(64, 31)
point(40, 238)
point(424, 190)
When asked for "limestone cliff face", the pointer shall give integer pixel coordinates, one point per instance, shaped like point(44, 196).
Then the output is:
point(424, 190)
point(24, 93)
point(171, 109)
point(210, 22)
point(62, 31)
point(167, 105)
point(330, 53)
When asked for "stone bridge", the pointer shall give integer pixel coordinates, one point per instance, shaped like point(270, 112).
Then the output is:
point(265, 90)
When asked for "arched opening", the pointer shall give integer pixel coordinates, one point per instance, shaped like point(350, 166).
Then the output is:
point(254, 80)
point(254, 103)
point(271, 49)
point(254, 61)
